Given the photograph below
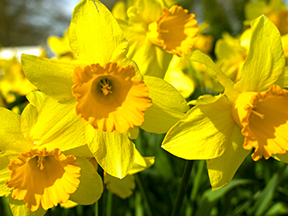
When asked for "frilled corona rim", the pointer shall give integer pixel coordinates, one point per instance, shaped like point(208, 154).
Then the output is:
point(43, 178)
point(175, 31)
point(264, 121)
point(109, 97)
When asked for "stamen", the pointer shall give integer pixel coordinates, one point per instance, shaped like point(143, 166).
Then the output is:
point(105, 86)
point(40, 161)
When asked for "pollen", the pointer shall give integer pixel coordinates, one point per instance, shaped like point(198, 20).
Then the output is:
point(43, 178)
point(109, 97)
point(263, 118)
point(175, 31)
point(105, 87)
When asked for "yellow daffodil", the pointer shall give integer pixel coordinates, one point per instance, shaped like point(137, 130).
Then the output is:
point(106, 89)
point(42, 165)
point(155, 30)
point(249, 114)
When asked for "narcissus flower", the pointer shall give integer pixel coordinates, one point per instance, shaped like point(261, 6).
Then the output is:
point(155, 30)
point(251, 114)
point(106, 89)
point(40, 166)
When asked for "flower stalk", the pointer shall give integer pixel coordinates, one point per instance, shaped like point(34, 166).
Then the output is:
point(182, 188)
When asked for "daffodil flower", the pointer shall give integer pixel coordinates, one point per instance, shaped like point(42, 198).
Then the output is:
point(251, 114)
point(106, 89)
point(155, 30)
point(41, 164)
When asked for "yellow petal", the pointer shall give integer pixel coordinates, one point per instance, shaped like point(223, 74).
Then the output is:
point(264, 118)
point(55, 174)
point(283, 79)
point(53, 77)
point(4, 174)
point(121, 187)
point(109, 98)
point(94, 33)
point(222, 169)
point(203, 133)
point(216, 73)
point(11, 137)
point(141, 163)
point(114, 152)
point(164, 112)
point(265, 50)
point(57, 124)
point(91, 187)
point(18, 208)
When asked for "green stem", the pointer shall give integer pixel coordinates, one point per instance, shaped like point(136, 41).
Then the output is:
point(109, 203)
point(144, 194)
point(182, 189)
point(99, 205)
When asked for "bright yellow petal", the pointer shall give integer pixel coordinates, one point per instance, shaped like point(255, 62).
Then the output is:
point(165, 111)
point(119, 10)
point(4, 174)
point(58, 125)
point(203, 133)
point(69, 204)
point(151, 60)
point(283, 79)
point(141, 163)
point(215, 72)
point(53, 77)
point(265, 61)
point(18, 208)
point(91, 187)
point(121, 187)
point(114, 152)
point(94, 33)
point(222, 169)
point(11, 137)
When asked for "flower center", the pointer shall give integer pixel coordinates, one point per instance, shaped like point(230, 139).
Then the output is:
point(110, 97)
point(43, 178)
point(105, 86)
point(175, 31)
point(264, 121)
point(40, 161)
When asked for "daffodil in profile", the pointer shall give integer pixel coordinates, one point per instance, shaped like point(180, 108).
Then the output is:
point(105, 89)
point(155, 30)
point(42, 165)
point(251, 114)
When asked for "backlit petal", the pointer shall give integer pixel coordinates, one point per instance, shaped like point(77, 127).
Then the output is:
point(91, 187)
point(53, 77)
point(222, 169)
point(164, 112)
point(94, 33)
point(203, 133)
point(11, 137)
point(265, 61)
point(114, 152)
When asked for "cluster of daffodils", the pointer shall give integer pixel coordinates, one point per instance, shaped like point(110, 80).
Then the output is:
point(112, 77)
